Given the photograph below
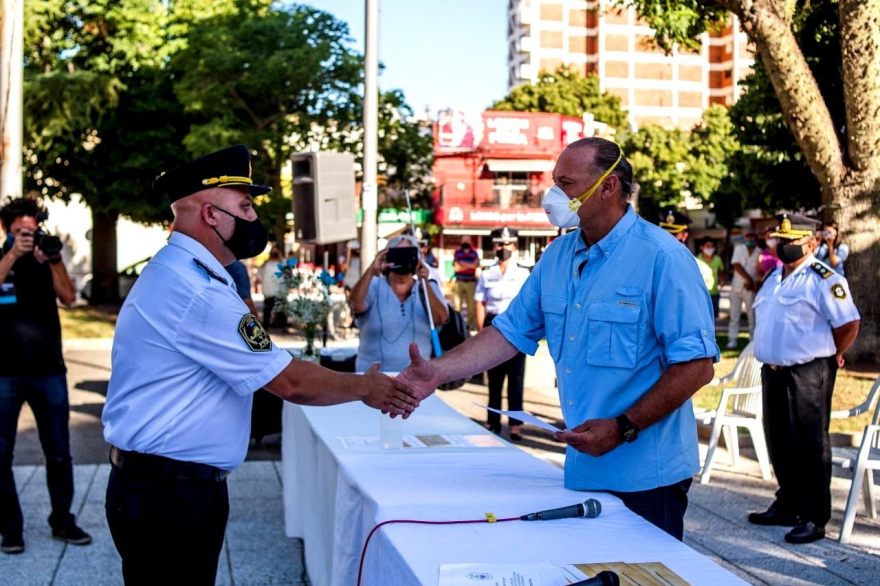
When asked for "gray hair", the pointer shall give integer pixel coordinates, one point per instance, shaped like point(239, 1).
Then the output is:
point(411, 240)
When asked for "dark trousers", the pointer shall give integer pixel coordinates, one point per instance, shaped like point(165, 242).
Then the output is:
point(47, 397)
point(268, 304)
point(265, 414)
point(167, 531)
point(514, 370)
point(797, 412)
point(664, 506)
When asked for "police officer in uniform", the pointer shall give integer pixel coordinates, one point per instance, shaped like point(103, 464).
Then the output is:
point(496, 288)
point(676, 223)
point(805, 321)
point(187, 358)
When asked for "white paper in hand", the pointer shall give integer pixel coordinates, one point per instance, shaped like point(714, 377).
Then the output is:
point(524, 417)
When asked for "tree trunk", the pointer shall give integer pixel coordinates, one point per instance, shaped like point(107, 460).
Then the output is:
point(856, 207)
point(105, 279)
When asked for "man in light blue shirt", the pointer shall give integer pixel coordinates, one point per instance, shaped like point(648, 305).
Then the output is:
point(629, 325)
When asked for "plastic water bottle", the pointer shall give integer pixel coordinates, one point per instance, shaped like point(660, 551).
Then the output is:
point(390, 432)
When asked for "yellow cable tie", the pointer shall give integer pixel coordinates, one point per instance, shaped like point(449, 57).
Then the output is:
point(491, 518)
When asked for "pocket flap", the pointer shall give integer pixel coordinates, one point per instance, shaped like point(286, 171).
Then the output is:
point(553, 304)
point(629, 291)
point(614, 312)
point(788, 300)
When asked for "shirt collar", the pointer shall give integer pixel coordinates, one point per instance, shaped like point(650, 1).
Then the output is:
point(613, 238)
point(197, 250)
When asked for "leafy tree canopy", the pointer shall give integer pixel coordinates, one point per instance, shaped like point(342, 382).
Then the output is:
point(568, 93)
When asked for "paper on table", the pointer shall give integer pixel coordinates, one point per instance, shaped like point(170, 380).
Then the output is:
point(537, 574)
point(524, 417)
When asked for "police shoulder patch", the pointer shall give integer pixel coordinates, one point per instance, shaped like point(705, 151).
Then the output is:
point(253, 334)
point(820, 268)
point(838, 291)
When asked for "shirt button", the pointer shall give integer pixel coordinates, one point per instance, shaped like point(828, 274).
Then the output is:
point(705, 333)
point(569, 403)
point(577, 305)
point(606, 254)
point(574, 273)
point(571, 338)
point(567, 371)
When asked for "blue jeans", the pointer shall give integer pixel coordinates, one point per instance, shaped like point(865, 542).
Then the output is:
point(664, 506)
point(47, 397)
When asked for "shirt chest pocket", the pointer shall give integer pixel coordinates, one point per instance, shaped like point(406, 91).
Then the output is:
point(613, 334)
point(554, 322)
point(794, 311)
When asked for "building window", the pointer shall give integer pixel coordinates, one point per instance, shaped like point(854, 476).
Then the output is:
point(511, 190)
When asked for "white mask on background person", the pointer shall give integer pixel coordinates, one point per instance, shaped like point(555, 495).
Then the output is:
point(771, 242)
point(558, 208)
point(709, 251)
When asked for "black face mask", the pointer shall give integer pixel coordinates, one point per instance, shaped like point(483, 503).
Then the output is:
point(790, 253)
point(503, 254)
point(248, 238)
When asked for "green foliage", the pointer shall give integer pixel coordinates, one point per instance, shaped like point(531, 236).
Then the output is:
point(568, 93)
point(679, 22)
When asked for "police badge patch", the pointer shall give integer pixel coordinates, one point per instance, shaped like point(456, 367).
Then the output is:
point(253, 333)
point(838, 291)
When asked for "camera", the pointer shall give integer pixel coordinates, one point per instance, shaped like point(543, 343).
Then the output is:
point(48, 244)
point(403, 259)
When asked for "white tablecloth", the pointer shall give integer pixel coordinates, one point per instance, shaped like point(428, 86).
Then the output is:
point(333, 498)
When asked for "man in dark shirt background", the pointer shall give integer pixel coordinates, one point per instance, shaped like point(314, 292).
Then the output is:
point(32, 278)
point(466, 264)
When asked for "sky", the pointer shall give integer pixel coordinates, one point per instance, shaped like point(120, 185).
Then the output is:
point(442, 54)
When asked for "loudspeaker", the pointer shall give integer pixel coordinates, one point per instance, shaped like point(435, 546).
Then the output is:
point(324, 204)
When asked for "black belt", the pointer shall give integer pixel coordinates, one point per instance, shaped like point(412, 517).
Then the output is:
point(163, 468)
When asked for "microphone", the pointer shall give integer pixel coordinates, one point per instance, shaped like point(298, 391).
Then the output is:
point(604, 578)
point(590, 509)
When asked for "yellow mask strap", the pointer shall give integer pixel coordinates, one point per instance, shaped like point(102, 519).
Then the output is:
point(577, 202)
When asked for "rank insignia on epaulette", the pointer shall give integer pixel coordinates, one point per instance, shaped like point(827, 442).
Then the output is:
point(253, 333)
point(838, 291)
point(211, 272)
point(823, 271)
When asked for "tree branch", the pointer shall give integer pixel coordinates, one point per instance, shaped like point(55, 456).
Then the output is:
point(802, 103)
point(860, 47)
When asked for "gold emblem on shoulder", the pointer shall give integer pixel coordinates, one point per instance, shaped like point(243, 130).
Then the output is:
point(838, 291)
point(253, 334)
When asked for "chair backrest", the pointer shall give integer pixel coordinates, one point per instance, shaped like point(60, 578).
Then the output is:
point(869, 404)
point(747, 374)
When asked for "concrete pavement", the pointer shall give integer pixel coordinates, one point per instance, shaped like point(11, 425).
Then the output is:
point(256, 551)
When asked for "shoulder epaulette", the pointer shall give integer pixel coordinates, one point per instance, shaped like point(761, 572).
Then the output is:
point(211, 272)
point(820, 268)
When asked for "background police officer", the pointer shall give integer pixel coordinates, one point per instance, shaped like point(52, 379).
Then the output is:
point(805, 321)
point(187, 358)
point(496, 288)
point(676, 223)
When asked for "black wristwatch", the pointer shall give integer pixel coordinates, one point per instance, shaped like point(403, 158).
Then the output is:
point(629, 431)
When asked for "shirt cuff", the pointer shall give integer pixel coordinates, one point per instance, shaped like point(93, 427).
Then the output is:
point(512, 335)
point(259, 380)
point(700, 344)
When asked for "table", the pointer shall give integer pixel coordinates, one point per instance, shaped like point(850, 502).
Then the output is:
point(333, 497)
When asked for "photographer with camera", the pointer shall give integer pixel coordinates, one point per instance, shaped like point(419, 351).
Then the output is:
point(389, 306)
point(32, 280)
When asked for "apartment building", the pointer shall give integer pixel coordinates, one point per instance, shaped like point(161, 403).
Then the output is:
point(597, 36)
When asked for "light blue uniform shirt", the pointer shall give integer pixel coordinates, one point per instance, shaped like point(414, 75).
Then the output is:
point(183, 375)
point(613, 329)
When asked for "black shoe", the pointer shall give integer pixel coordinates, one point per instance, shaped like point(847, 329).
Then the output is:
point(805, 533)
point(772, 516)
point(12, 543)
point(515, 436)
point(72, 535)
point(493, 428)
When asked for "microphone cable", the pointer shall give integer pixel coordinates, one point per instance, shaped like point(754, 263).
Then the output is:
point(490, 518)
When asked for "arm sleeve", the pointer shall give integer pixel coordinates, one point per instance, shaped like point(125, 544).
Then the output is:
point(522, 323)
point(683, 316)
point(836, 309)
point(480, 291)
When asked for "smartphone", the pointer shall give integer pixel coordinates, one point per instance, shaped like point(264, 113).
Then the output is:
point(401, 256)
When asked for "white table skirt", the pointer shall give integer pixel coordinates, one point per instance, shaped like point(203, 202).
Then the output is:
point(333, 498)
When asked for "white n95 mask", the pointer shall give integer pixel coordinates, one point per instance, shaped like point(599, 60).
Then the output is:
point(558, 209)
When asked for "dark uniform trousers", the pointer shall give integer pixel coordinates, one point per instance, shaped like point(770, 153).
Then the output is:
point(167, 518)
point(797, 411)
point(514, 369)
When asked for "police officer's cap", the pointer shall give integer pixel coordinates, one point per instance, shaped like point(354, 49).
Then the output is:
point(230, 167)
point(504, 235)
point(674, 222)
point(789, 231)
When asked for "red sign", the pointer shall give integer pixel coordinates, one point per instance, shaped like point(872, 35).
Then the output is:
point(498, 131)
point(494, 217)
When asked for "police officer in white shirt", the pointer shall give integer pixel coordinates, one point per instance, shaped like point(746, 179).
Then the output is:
point(805, 322)
point(496, 288)
point(187, 358)
point(743, 286)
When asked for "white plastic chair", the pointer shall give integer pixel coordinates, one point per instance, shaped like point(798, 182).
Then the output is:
point(862, 461)
point(741, 406)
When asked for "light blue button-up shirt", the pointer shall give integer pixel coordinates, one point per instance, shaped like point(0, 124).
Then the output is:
point(615, 316)
point(183, 375)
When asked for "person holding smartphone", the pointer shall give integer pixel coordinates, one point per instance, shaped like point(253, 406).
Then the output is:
point(390, 309)
point(831, 250)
